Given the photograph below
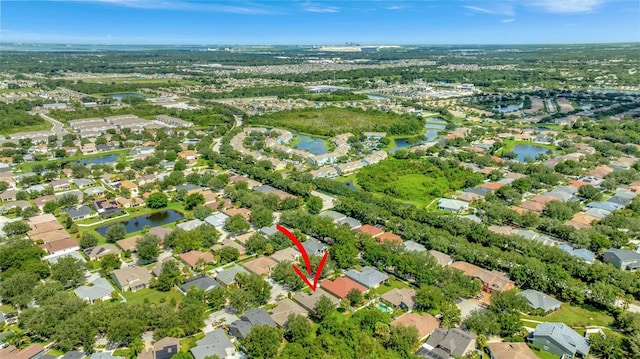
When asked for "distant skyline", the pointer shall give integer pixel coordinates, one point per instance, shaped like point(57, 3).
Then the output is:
point(319, 22)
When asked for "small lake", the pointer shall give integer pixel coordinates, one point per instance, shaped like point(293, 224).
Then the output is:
point(435, 120)
point(152, 220)
point(508, 108)
point(120, 96)
point(377, 97)
point(98, 160)
point(524, 151)
point(311, 144)
point(433, 127)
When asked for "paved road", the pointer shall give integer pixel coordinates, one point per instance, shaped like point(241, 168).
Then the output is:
point(58, 127)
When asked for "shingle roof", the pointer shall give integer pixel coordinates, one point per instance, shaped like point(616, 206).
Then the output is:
point(101, 288)
point(214, 343)
point(258, 316)
point(563, 336)
point(368, 276)
point(203, 283)
point(414, 246)
point(539, 300)
point(228, 276)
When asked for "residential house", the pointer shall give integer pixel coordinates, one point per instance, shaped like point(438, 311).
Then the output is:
point(131, 278)
point(253, 317)
point(260, 265)
point(96, 253)
point(309, 300)
point(130, 203)
point(424, 323)
point(78, 213)
point(129, 244)
point(216, 220)
point(286, 307)
point(95, 191)
point(622, 259)
point(582, 253)
point(157, 269)
point(349, 221)
point(60, 185)
point(164, 348)
point(194, 258)
point(241, 211)
point(447, 343)
point(8, 195)
point(229, 242)
point(335, 216)
point(452, 205)
point(491, 280)
point(73, 355)
point(560, 339)
point(82, 182)
point(132, 187)
point(314, 247)
point(370, 230)
point(228, 276)
point(340, 287)
point(442, 259)
point(367, 276)
point(33, 351)
point(389, 237)
point(190, 225)
point(60, 247)
point(510, 351)
point(402, 298)
point(100, 289)
point(539, 300)
point(290, 254)
point(107, 207)
point(160, 232)
point(413, 246)
point(203, 283)
point(216, 343)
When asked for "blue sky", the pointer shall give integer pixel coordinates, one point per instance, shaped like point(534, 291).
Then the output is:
point(319, 22)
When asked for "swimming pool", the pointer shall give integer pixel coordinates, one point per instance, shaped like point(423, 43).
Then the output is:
point(383, 308)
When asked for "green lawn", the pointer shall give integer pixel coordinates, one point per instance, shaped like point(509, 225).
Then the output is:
point(43, 126)
point(187, 343)
point(341, 317)
point(26, 167)
point(391, 284)
point(153, 295)
point(5, 308)
point(330, 121)
point(576, 317)
point(544, 354)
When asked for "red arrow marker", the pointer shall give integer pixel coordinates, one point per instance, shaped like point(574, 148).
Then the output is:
point(307, 262)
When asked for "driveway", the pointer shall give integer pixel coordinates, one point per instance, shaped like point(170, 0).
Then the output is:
point(327, 201)
point(218, 319)
point(467, 306)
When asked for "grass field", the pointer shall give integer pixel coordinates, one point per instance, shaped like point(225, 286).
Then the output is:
point(44, 126)
point(576, 317)
point(544, 354)
point(154, 296)
point(510, 144)
point(391, 284)
point(26, 167)
point(330, 121)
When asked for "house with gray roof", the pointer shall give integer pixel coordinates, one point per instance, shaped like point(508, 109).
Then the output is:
point(559, 339)
point(73, 355)
point(254, 316)
point(100, 289)
point(563, 196)
point(539, 300)
point(620, 201)
point(269, 231)
point(447, 343)
point(190, 225)
point(216, 220)
point(597, 212)
point(78, 213)
point(265, 188)
point(607, 206)
point(82, 182)
point(480, 191)
point(228, 276)
point(335, 216)
point(313, 247)
point(94, 191)
point(452, 205)
point(582, 253)
point(104, 355)
point(414, 246)
point(203, 283)
point(214, 343)
point(351, 222)
point(622, 259)
point(368, 276)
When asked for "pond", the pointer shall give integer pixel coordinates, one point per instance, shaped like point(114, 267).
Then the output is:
point(98, 160)
point(152, 220)
point(120, 96)
point(433, 127)
point(351, 186)
point(377, 97)
point(508, 108)
point(524, 151)
point(312, 144)
point(436, 120)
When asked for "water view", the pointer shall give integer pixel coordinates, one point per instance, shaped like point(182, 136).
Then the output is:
point(377, 97)
point(98, 160)
point(508, 108)
point(152, 220)
point(120, 96)
point(311, 144)
point(531, 151)
point(433, 127)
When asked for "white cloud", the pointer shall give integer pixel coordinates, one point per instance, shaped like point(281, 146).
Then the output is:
point(237, 7)
point(313, 7)
point(506, 21)
point(567, 6)
point(496, 9)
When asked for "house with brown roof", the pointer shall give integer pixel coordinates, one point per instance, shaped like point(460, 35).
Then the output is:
point(389, 237)
point(288, 254)
point(491, 280)
point(370, 230)
point(280, 314)
point(164, 348)
point(493, 185)
point(340, 287)
point(96, 253)
point(129, 244)
point(424, 323)
point(132, 187)
point(600, 171)
point(192, 258)
point(60, 247)
point(33, 351)
point(130, 203)
point(309, 300)
point(160, 232)
point(442, 259)
point(260, 265)
point(131, 278)
point(241, 211)
point(533, 206)
point(510, 351)
point(402, 298)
